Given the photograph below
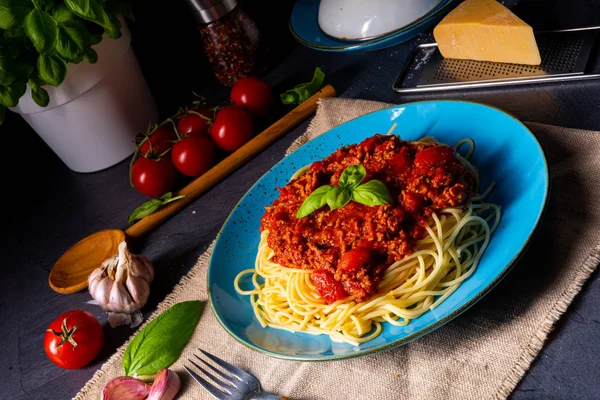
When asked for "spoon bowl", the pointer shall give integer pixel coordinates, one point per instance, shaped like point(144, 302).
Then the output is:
point(71, 271)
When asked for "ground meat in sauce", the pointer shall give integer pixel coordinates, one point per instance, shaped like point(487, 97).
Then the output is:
point(421, 177)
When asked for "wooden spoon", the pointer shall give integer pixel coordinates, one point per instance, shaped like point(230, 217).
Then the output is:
point(71, 270)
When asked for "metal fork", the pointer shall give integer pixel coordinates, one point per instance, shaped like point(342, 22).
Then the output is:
point(237, 385)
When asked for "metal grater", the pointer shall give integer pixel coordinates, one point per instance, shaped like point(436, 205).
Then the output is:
point(564, 54)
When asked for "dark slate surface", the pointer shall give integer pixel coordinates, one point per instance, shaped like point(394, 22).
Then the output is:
point(48, 207)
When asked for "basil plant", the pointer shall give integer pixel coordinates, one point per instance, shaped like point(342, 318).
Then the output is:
point(38, 38)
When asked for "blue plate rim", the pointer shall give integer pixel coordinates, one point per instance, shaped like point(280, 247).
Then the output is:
point(416, 335)
point(355, 45)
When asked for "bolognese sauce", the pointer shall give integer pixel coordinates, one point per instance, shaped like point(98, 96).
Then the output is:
point(350, 247)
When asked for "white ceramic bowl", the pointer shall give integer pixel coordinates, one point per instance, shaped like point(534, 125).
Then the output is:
point(368, 19)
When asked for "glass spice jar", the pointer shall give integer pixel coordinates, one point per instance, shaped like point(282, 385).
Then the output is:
point(231, 39)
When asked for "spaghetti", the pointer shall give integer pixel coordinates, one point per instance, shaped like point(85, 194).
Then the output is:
point(445, 255)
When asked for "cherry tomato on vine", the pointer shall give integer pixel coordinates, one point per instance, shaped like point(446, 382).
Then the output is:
point(253, 94)
point(153, 177)
point(159, 141)
point(73, 339)
point(194, 154)
point(196, 121)
point(233, 127)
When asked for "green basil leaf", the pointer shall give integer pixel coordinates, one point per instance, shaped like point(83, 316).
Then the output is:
point(2, 114)
point(314, 201)
point(91, 10)
point(303, 91)
point(42, 29)
point(113, 29)
point(7, 71)
point(352, 177)
point(91, 56)
point(16, 33)
point(10, 95)
point(35, 82)
point(151, 206)
point(39, 4)
point(372, 193)
point(13, 12)
point(95, 38)
point(23, 69)
point(62, 14)
point(52, 69)
point(160, 343)
point(338, 197)
point(73, 40)
point(40, 96)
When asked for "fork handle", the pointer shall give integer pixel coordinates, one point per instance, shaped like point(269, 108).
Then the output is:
point(268, 396)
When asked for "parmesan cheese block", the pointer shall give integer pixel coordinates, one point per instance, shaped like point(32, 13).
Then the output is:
point(485, 30)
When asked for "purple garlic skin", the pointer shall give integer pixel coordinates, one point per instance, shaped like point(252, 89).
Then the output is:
point(125, 388)
point(121, 285)
point(165, 386)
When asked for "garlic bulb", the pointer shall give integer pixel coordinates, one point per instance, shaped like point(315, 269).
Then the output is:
point(121, 286)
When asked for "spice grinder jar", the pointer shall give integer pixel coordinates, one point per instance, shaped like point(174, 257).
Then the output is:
point(231, 39)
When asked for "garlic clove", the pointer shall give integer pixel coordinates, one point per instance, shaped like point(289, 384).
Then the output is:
point(125, 388)
point(165, 386)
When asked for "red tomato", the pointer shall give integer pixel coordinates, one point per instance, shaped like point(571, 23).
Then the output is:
point(431, 156)
point(159, 141)
point(193, 155)
point(354, 259)
point(233, 127)
point(253, 94)
point(196, 121)
point(328, 287)
point(153, 177)
point(73, 339)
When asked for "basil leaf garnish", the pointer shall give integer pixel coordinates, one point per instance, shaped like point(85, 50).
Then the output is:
point(151, 206)
point(372, 193)
point(352, 177)
point(303, 91)
point(338, 197)
point(313, 202)
point(162, 341)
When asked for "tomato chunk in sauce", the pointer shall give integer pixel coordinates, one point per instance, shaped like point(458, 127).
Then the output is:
point(349, 248)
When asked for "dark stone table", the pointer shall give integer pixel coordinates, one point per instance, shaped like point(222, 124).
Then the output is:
point(48, 207)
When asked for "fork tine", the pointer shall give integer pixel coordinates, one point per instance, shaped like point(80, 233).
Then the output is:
point(228, 378)
point(235, 371)
point(229, 382)
point(212, 389)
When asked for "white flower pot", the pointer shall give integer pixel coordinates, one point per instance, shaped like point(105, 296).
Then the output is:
point(95, 114)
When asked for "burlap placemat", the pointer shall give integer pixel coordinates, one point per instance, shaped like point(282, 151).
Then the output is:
point(483, 353)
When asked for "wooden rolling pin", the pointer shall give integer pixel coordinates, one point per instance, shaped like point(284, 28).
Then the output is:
point(231, 163)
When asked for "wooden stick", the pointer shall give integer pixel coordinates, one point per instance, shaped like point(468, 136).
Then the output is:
point(231, 163)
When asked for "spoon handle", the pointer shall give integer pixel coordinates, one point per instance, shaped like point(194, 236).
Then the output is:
point(231, 163)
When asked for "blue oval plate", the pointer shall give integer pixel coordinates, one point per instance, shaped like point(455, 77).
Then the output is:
point(304, 26)
point(505, 152)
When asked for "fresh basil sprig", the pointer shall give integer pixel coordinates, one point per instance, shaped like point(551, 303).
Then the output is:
point(371, 193)
point(303, 91)
point(151, 206)
point(160, 343)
